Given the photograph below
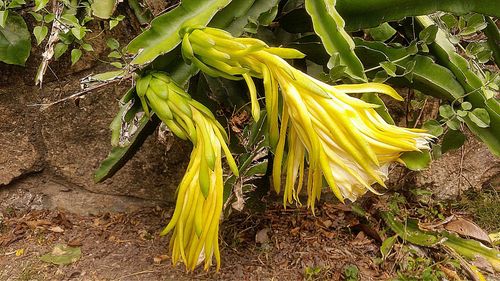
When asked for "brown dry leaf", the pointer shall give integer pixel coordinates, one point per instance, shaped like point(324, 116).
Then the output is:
point(159, 259)
point(295, 230)
point(75, 242)
point(56, 229)
point(37, 223)
point(451, 274)
point(261, 237)
point(482, 263)
point(467, 228)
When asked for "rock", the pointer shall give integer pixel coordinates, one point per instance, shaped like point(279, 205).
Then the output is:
point(69, 141)
point(448, 176)
point(43, 192)
point(18, 155)
point(77, 140)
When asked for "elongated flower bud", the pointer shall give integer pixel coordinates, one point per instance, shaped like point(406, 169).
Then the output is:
point(195, 222)
point(343, 138)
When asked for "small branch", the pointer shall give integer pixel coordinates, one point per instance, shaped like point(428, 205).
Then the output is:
point(49, 47)
point(44, 106)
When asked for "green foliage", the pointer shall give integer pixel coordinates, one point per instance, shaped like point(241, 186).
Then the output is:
point(15, 40)
point(180, 72)
point(164, 32)
point(103, 8)
point(329, 26)
point(360, 14)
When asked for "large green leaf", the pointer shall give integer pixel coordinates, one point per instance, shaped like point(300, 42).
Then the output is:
point(426, 75)
point(180, 72)
point(239, 13)
point(103, 8)
point(164, 33)
point(361, 14)
point(15, 40)
point(329, 26)
point(493, 34)
point(446, 54)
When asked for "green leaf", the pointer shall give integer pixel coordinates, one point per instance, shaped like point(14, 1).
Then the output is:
point(40, 4)
point(40, 33)
point(36, 16)
point(62, 255)
point(15, 40)
point(103, 8)
point(3, 18)
point(453, 123)
point(472, 82)
point(493, 33)
point(115, 55)
point(76, 54)
point(79, 32)
point(446, 111)
point(453, 139)
point(466, 105)
point(433, 127)
point(163, 34)
point(112, 43)
point(59, 49)
point(143, 15)
point(117, 64)
point(389, 67)
point(416, 160)
point(428, 34)
point(480, 116)
point(113, 23)
point(382, 32)
point(362, 14)
point(450, 20)
point(48, 18)
point(87, 47)
point(237, 15)
point(475, 23)
point(386, 247)
point(70, 19)
point(421, 72)
point(329, 26)
point(16, 4)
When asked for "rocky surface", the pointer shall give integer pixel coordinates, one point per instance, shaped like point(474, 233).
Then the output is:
point(472, 166)
point(69, 140)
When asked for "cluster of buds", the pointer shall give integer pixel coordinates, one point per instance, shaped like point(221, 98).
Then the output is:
point(343, 138)
point(195, 222)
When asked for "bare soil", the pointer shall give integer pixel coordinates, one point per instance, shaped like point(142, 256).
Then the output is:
point(277, 244)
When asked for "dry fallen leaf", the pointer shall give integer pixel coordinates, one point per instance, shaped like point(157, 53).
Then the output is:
point(467, 228)
point(56, 229)
point(159, 259)
point(261, 237)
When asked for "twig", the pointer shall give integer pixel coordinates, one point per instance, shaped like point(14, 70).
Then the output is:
point(139, 273)
point(44, 106)
point(420, 114)
point(49, 47)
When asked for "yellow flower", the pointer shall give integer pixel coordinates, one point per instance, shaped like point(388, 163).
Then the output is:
point(342, 138)
point(195, 222)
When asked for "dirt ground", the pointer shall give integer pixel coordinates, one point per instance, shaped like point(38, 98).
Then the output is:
point(277, 244)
